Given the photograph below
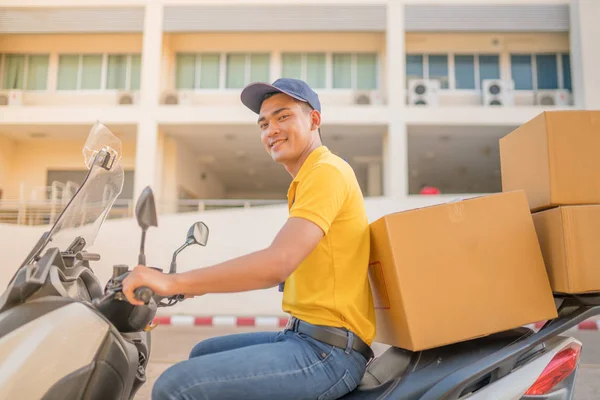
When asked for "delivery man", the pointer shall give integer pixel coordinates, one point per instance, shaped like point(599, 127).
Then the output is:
point(322, 255)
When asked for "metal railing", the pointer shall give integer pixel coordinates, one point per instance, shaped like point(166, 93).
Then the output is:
point(45, 212)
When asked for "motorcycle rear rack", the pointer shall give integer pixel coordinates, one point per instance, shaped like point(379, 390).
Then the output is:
point(572, 310)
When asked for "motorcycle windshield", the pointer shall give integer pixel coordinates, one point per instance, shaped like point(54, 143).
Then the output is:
point(86, 211)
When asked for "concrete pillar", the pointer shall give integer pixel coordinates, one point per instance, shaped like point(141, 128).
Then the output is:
point(374, 179)
point(147, 135)
point(585, 57)
point(395, 160)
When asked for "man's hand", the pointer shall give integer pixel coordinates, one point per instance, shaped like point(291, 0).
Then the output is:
point(161, 284)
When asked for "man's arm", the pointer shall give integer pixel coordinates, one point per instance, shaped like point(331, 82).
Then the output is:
point(258, 270)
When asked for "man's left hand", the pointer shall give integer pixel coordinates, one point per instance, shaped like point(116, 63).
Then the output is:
point(161, 284)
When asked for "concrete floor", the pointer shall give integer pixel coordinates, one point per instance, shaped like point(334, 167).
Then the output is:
point(172, 344)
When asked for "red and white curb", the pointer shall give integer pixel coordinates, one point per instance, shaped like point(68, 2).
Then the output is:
point(227, 321)
point(275, 321)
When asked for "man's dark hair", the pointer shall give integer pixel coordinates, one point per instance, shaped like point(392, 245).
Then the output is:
point(304, 105)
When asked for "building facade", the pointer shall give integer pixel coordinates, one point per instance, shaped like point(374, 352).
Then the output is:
point(414, 93)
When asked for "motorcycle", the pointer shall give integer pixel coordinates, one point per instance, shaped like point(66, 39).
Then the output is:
point(62, 334)
point(65, 336)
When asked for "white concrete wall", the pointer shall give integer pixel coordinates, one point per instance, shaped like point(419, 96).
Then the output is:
point(232, 233)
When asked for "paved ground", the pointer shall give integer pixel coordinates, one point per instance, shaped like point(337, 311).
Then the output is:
point(172, 344)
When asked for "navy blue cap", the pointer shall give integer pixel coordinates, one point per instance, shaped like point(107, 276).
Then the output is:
point(254, 94)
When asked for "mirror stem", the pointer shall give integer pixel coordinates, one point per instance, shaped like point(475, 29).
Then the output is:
point(173, 268)
point(142, 256)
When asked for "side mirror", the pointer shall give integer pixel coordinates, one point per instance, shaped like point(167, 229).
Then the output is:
point(197, 234)
point(145, 213)
point(145, 209)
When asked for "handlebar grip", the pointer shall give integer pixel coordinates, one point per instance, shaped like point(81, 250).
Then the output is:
point(143, 294)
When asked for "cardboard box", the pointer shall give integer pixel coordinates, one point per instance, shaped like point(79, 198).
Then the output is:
point(457, 271)
point(555, 158)
point(569, 237)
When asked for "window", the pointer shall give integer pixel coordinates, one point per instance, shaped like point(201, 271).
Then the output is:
point(354, 71)
point(428, 66)
point(520, 69)
point(438, 69)
point(24, 71)
point(464, 67)
point(123, 71)
point(541, 71)
point(489, 68)
point(547, 71)
point(99, 71)
point(310, 67)
point(566, 71)
point(197, 71)
point(242, 69)
point(414, 67)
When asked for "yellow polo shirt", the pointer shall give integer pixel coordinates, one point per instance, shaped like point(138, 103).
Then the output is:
point(331, 286)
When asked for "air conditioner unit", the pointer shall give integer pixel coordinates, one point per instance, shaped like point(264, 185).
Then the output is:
point(497, 92)
point(127, 98)
point(556, 97)
point(11, 98)
point(368, 97)
point(183, 97)
point(423, 92)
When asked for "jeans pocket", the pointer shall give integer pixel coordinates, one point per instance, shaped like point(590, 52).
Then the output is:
point(342, 387)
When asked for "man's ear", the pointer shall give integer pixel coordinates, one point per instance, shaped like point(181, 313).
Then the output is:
point(315, 120)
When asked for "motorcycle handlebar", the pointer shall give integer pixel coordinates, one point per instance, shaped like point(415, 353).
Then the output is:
point(143, 294)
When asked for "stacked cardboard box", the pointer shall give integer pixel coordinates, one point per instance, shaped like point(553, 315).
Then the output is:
point(555, 159)
point(457, 271)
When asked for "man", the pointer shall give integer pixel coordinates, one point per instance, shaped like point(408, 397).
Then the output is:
point(321, 253)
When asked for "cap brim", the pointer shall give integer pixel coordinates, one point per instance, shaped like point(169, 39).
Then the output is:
point(253, 95)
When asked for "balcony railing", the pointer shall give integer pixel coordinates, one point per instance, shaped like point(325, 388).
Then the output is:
point(45, 212)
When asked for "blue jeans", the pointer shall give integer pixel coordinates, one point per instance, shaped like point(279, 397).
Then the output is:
point(263, 365)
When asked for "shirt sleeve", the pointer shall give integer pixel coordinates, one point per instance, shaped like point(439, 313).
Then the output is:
point(320, 196)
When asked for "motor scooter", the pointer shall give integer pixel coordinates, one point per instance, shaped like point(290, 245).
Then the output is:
point(65, 336)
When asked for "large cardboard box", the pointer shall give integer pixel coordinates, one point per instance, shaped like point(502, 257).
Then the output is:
point(555, 158)
point(457, 271)
point(570, 240)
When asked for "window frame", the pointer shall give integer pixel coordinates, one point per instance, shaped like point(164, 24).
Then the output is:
point(534, 82)
point(103, 72)
point(25, 71)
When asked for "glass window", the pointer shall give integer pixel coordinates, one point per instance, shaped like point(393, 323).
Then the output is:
point(236, 70)
point(116, 76)
point(14, 71)
point(315, 70)
point(136, 71)
point(91, 71)
point(438, 69)
point(185, 71)
point(209, 71)
point(489, 68)
point(259, 68)
point(366, 71)
point(465, 71)
point(68, 67)
point(414, 67)
point(520, 69)
point(37, 72)
point(566, 70)
point(291, 65)
point(342, 71)
point(547, 71)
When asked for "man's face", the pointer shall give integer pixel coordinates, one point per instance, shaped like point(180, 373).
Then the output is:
point(285, 128)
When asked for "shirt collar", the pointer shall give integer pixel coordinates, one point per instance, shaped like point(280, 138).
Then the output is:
point(312, 158)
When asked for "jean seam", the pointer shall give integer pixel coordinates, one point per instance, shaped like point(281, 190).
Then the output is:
point(180, 393)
